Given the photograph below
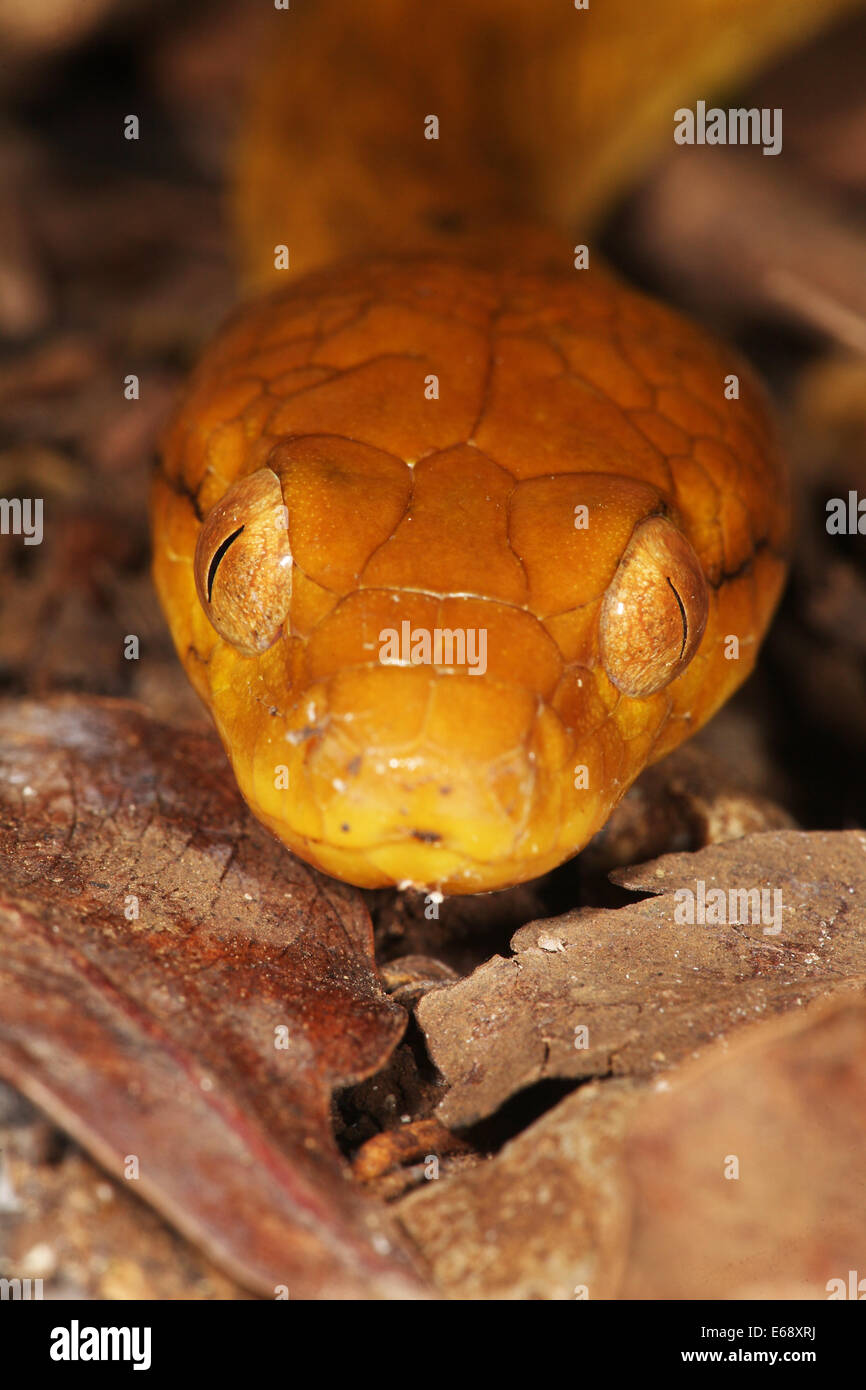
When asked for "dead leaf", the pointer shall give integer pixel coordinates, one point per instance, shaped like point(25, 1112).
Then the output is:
point(544, 1218)
point(204, 1035)
point(64, 1222)
point(764, 1153)
point(760, 1147)
point(634, 991)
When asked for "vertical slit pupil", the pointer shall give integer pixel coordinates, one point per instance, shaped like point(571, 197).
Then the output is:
point(218, 555)
point(682, 615)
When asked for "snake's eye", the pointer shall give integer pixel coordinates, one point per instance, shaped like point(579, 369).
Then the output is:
point(655, 610)
point(243, 563)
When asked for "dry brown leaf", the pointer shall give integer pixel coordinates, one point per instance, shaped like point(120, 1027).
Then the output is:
point(650, 991)
point(760, 1147)
point(204, 1035)
point(546, 1218)
point(764, 1153)
point(64, 1222)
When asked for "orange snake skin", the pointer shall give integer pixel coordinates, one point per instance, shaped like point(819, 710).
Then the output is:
point(452, 549)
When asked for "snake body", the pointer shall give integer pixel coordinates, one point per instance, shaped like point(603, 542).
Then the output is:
point(452, 545)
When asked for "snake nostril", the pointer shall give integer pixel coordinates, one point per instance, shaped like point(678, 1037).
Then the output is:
point(427, 837)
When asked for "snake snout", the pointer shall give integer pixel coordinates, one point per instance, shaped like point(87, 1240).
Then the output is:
point(426, 773)
point(412, 775)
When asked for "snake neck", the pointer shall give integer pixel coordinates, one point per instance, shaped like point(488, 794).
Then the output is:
point(400, 126)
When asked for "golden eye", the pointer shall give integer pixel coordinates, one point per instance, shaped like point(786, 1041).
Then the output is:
point(655, 610)
point(243, 563)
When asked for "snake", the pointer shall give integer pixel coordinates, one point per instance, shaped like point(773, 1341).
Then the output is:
point(455, 530)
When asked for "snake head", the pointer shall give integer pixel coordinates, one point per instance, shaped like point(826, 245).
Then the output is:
point(441, 636)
